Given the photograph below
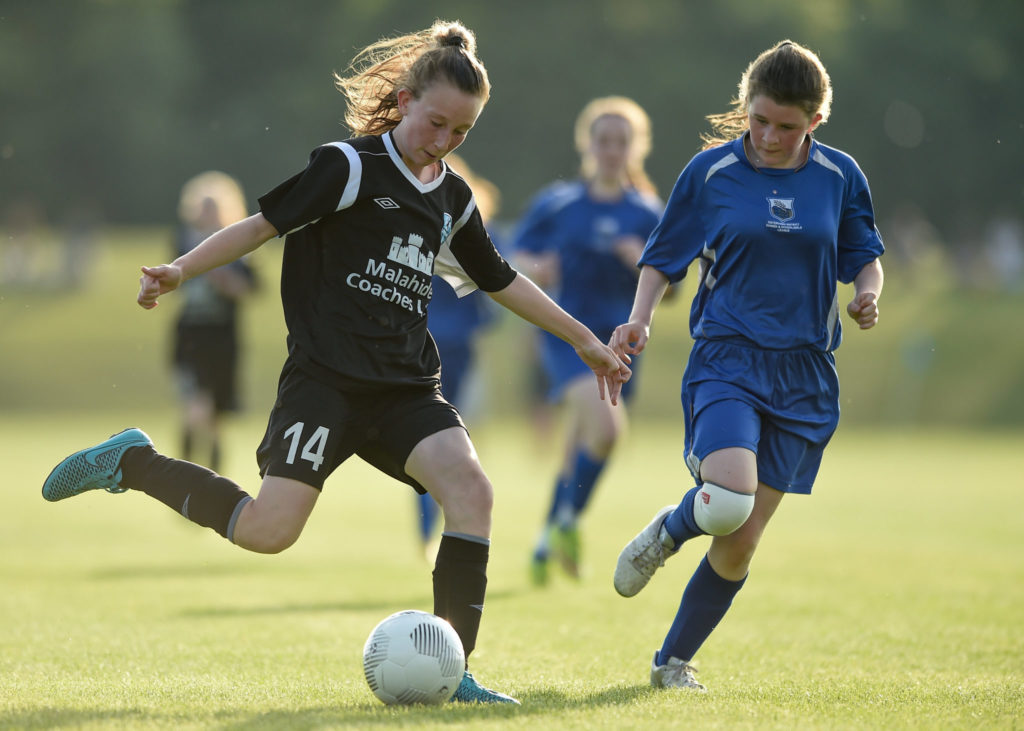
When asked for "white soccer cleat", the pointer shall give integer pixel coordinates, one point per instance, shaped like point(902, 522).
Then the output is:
point(644, 555)
point(674, 674)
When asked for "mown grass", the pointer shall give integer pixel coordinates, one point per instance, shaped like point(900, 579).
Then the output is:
point(891, 598)
point(939, 356)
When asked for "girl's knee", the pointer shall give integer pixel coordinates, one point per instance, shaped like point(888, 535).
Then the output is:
point(467, 506)
point(601, 443)
point(265, 534)
point(476, 493)
point(267, 540)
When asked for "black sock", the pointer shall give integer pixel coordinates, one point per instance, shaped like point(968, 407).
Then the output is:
point(199, 494)
point(460, 583)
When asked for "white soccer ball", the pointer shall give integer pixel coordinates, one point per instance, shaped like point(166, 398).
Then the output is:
point(413, 657)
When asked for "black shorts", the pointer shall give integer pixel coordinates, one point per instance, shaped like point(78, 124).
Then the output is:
point(206, 362)
point(314, 428)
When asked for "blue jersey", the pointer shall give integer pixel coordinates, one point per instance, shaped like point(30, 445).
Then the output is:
point(451, 319)
point(772, 243)
point(596, 287)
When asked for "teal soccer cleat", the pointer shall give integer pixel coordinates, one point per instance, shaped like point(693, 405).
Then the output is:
point(95, 468)
point(470, 691)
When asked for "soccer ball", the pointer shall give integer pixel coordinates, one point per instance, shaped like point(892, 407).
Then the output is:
point(413, 657)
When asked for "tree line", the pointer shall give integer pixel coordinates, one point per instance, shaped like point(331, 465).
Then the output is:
point(114, 103)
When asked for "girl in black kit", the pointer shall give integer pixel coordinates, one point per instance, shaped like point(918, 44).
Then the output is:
point(367, 222)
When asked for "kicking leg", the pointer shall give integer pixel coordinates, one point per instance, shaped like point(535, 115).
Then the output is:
point(128, 460)
point(719, 506)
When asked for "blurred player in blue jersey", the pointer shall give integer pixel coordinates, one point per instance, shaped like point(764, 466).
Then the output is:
point(774, 219)
point(581, 241)
point(456, 324)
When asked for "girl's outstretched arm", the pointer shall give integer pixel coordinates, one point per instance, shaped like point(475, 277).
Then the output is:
point(527, 300)
point(230, 243)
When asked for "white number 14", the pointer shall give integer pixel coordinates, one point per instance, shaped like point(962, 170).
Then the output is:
point(313, 450)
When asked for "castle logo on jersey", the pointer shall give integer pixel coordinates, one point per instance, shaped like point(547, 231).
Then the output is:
point(412, 254)
point(395, 284)
point(783, 215)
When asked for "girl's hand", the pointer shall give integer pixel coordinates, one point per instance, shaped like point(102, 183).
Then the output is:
point(629, 339)
point(156, 281)
point(610, 370)
point(864, 309)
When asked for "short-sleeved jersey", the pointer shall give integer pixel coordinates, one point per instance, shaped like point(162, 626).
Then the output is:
point(364, 237)
point(596, 287)
point(772, 244)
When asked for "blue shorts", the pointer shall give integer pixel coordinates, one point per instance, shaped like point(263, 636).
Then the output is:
point(781, 405)
point(563, 366)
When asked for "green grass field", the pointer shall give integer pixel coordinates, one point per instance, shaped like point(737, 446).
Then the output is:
point(939, 356)
point(891, 598)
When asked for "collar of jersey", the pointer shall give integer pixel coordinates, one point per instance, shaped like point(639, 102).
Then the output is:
point(396, 157)
point(742, 154)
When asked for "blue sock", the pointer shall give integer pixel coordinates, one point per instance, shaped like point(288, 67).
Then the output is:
point(705, 601)
point(680, 523)
point(427, 516)
point(586, 471)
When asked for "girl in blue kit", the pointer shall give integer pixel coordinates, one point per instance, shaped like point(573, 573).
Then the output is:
point(581, 240)
point(774, 219)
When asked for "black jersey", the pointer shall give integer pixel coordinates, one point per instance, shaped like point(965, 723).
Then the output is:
point(364, 237)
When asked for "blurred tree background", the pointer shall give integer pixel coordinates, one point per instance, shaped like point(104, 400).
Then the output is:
point(109, 105)
point(118, 101)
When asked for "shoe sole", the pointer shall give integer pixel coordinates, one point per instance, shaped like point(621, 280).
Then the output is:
point(621, 564)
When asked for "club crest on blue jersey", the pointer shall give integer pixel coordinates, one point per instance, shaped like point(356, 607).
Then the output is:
point(446, 228)
point(781, 209)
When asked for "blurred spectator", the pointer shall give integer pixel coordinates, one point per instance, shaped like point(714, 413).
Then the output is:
point(81, 227)
point(206, 347)
point(918, 250)
point(1004, 251)
point(23, 236)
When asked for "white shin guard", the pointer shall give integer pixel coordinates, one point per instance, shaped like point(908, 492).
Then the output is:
point(719, 511)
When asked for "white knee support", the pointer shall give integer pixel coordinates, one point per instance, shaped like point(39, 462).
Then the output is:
point(719, 511)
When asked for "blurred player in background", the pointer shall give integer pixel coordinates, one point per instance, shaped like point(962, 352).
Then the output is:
point(206, 341)
point(367, 223)
point(581, 240)
point(455, 324)
point(774, 218)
